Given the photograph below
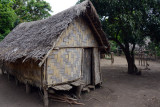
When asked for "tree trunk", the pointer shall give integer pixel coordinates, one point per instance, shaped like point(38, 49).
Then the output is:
point(131, 66)
point(132, 69)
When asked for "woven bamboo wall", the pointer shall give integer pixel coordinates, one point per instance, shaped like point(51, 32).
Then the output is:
point(78, 34)
point(65, 64)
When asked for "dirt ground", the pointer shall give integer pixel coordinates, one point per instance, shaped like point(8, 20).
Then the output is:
point(119, 89)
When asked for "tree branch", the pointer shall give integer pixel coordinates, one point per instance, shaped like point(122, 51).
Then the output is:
point(118, 42)
point(133, 48)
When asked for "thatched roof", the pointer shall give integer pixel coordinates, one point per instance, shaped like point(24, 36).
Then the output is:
point(33, 40)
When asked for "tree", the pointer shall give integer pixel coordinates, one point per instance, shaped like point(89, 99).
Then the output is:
point(126, 22)
point(13, 12)
point(31, 10)
point(153, 23)
point(7, 17)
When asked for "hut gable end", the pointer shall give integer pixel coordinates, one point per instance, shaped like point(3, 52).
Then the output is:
point(64, 61)
point(78, 34)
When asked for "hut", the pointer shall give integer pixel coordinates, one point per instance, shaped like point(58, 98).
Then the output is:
point(57, 53)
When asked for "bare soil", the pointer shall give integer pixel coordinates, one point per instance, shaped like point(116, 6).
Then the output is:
point(118, 90)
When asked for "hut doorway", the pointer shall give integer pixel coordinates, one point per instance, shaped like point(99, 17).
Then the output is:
point(87, 66)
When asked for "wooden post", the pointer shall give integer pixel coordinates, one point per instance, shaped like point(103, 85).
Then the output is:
point(112, 57)
point(28, 88)
point(17, 82)
point(155, 55)
point(78, 91)
point(2, 68)
point(141, 58)
point(9, 77)
point(1, 72)
point(45, 98)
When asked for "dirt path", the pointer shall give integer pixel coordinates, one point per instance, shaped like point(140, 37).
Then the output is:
point(119, 89)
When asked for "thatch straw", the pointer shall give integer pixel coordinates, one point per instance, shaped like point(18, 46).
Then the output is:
point(32, 40)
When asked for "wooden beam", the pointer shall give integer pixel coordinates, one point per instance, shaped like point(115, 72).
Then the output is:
point(45, 57)
point(57, 48)
point(68, 82)
point(96, 31)
point(45, 74)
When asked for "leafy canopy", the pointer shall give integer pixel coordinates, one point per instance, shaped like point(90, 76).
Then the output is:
point(13, 12)
point(7, 17)
point(129, 21)
point(31, 10)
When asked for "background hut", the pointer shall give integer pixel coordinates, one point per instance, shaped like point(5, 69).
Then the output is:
point(57, 52)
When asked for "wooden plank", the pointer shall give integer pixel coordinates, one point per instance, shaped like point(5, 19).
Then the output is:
point(65, 87)
point(77, 83)
point(93, 68)
point(87, 66)
point(99, 59)
point(97, 72)
point(86, 89)
point(91, 87)
point(60, 47)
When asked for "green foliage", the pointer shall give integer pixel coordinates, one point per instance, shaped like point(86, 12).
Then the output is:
point(7, 17)
point(113, 46)
point(157, 48)
point(13, 12)
point(31, 10)
point(153, 22)
point(154, 48)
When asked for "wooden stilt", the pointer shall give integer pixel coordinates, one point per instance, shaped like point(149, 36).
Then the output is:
point(45, 98)
point(112, 57)
point(9, 77)
point(28, 88)
point(2, 72)
point(139, 59)
point(99, 85)
point(17, 82)
point(78, 91)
